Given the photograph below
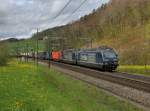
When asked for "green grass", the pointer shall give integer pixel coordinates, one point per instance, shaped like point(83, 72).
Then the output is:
point(141, 70)
point(24, 87)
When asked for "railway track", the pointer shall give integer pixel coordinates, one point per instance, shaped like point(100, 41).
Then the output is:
point(138, 82)
point(135, 81)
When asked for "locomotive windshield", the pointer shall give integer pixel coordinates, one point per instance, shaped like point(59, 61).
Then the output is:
point(109, 54)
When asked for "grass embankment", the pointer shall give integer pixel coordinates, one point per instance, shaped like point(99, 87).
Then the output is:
point(140, 70)
point(24, 87)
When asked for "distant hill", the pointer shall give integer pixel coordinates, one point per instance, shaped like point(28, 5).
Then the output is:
point(11, 40)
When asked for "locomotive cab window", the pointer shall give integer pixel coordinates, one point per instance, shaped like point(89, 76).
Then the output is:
point(109, 54)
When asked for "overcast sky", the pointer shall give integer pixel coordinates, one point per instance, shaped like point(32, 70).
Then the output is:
point(21, 18)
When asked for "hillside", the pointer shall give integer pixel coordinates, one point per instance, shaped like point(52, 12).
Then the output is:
point(121, 24)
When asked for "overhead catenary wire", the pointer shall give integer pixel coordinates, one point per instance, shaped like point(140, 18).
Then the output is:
point(78, 7)
point(74, 11)
point(61, 11)
point(66, 5)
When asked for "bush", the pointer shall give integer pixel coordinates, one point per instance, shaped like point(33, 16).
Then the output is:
point(4, 54)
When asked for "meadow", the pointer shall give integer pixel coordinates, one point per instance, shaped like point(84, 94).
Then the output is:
point(25, 87)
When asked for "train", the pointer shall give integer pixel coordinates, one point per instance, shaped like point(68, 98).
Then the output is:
point(102, 58)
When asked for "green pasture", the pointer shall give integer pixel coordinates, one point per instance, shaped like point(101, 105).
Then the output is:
point(25, 87)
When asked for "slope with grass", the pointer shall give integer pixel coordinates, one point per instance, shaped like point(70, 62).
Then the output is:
point(28, 88)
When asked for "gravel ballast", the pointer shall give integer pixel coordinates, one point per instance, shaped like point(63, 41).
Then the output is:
point(136, 97)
